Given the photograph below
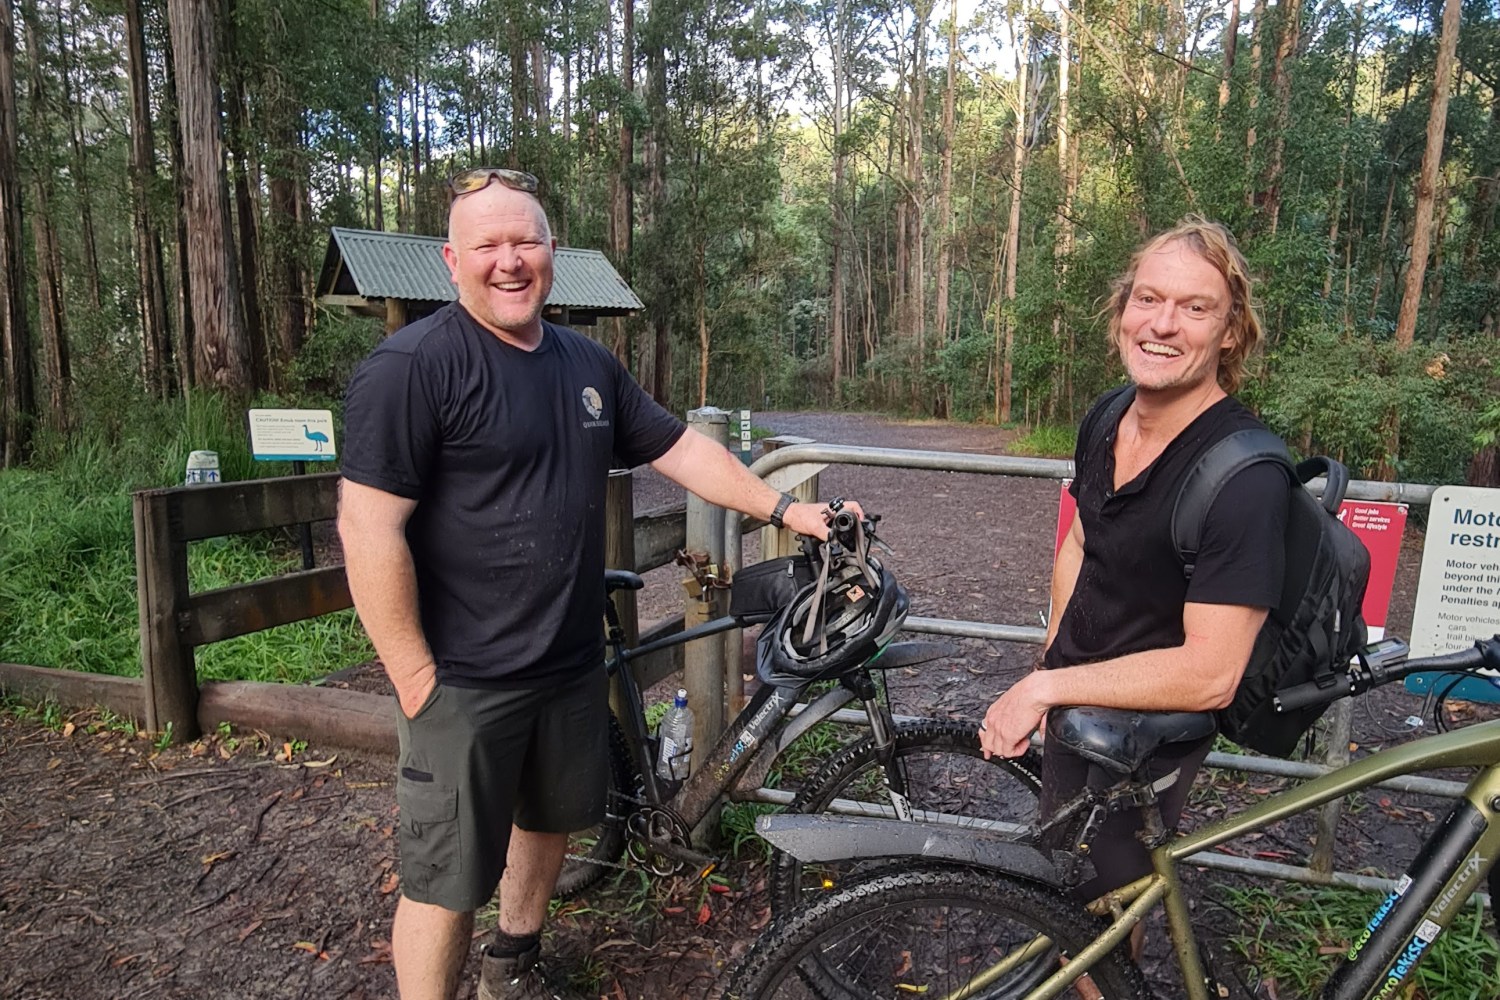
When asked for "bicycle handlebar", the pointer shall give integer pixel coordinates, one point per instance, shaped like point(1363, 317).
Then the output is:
point(1384, 662)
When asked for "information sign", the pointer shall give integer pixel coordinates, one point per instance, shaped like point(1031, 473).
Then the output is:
point(1458, 592)
point(292, 435)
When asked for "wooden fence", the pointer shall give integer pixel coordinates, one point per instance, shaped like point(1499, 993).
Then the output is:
point(174, 620)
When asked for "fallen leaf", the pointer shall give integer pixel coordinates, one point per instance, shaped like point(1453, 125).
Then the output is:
point(672, 910)
point(704, 914)
point(124, 960)
point(717, 887)
point(67, 729)
point(53, 763)
point(250, 928)
point(905, 965)
point(389, 884)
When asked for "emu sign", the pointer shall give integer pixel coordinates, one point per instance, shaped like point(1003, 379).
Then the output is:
point(292, 435)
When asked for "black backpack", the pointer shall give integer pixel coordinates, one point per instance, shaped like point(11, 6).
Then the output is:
point(1317, 625)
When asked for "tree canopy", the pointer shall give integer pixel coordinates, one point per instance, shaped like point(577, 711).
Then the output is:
point(854, 202)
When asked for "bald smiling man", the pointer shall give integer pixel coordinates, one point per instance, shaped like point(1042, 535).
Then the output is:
point(478, 443)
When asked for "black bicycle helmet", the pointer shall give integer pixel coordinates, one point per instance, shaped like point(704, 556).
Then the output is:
point(858, 611)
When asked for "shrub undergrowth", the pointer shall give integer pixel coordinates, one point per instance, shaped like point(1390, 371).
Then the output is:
point(1297, 935)
point(67, 548)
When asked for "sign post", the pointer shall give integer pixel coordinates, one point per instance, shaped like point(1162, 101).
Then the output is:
point(299, 437)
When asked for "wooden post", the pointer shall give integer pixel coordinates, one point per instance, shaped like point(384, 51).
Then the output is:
point(1335, 754)
point(395, 315)
point(703, 661)
point(619, 553)
point(619, 544)
point(169, 674)
point(776, 542)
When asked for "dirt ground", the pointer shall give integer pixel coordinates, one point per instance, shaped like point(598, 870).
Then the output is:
point(245, 865)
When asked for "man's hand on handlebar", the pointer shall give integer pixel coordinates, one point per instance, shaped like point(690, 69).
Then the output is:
point(812, 519)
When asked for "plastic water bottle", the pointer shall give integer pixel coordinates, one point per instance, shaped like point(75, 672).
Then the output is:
point(676, 737)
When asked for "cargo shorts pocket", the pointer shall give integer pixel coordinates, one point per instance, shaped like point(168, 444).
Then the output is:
point(430, 842)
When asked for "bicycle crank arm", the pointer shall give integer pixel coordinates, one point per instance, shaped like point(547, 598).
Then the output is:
point(704, 863)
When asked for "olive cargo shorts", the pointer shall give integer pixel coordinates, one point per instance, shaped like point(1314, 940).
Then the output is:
point(475, 760)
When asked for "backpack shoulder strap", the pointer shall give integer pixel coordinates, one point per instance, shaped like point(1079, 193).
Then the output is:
point(1218, 465)
point(1105, 416)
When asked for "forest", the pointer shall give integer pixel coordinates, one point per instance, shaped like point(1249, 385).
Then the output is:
point(910, 207)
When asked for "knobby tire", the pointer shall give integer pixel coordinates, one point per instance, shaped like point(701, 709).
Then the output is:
point(924, 931)
point(947, 775)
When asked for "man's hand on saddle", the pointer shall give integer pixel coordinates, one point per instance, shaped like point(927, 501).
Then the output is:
point(1015, 715)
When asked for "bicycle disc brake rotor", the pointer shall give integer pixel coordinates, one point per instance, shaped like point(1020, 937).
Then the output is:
point(657, 826)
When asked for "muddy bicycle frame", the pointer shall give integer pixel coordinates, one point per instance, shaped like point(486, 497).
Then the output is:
point(1454, 862)
point(739, 763)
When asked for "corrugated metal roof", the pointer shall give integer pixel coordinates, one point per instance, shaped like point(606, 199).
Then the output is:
point(585, 279)
point(403, 266)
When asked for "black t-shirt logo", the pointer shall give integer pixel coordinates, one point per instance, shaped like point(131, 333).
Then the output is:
point(592, 402)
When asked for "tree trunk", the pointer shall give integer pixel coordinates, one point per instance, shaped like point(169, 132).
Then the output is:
point(186, 347)
point(945, 186)
point(1281, 85)
point(1231, 45)
point(18, 403)
point(1437, 120)
point(1013, 225)
point(1336, 205)
point(622, 214)
point(79, 164)
point(916, 193)
point(156, 337)
point(56, 371)
point(221, 356)
point(1252, 88)
point(1067, 166)
point(248, 219)
point(377, 17)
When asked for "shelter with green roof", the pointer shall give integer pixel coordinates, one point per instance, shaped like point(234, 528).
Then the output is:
point(399, 277)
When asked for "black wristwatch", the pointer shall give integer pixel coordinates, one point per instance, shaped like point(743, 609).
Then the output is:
point(781, 505)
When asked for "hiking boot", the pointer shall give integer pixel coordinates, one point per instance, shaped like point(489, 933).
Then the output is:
point(520, 977)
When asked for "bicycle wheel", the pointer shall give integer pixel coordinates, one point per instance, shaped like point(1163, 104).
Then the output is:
point(947, 781)
point(934, 931)
point(591, 851)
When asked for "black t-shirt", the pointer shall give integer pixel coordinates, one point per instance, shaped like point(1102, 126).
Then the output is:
point(1131, 590)
point(507, 453)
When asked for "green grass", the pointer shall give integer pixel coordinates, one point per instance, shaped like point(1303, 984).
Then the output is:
point(1297, 935)
point(67, 551)
point(1047, 442)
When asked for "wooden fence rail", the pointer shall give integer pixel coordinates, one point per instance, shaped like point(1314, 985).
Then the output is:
point(174, 620)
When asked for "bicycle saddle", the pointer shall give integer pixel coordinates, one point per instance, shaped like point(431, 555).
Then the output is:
point(1121, 739)
point(621, 579)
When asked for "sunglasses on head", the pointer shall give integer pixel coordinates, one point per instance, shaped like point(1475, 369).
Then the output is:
point(468, 181)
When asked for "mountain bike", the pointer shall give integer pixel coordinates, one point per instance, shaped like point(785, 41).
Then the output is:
point(968, 914)
point(930, 769)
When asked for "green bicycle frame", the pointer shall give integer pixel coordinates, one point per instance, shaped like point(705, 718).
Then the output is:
point(1453, 863)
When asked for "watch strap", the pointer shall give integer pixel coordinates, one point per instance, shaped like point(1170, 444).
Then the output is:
point(781, 505)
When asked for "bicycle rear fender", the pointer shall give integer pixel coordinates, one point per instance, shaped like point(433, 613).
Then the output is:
point(815, 837)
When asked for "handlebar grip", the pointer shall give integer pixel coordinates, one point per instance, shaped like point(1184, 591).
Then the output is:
point(1301, 696)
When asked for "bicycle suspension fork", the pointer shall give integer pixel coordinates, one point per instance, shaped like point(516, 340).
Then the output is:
point(883, 734)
